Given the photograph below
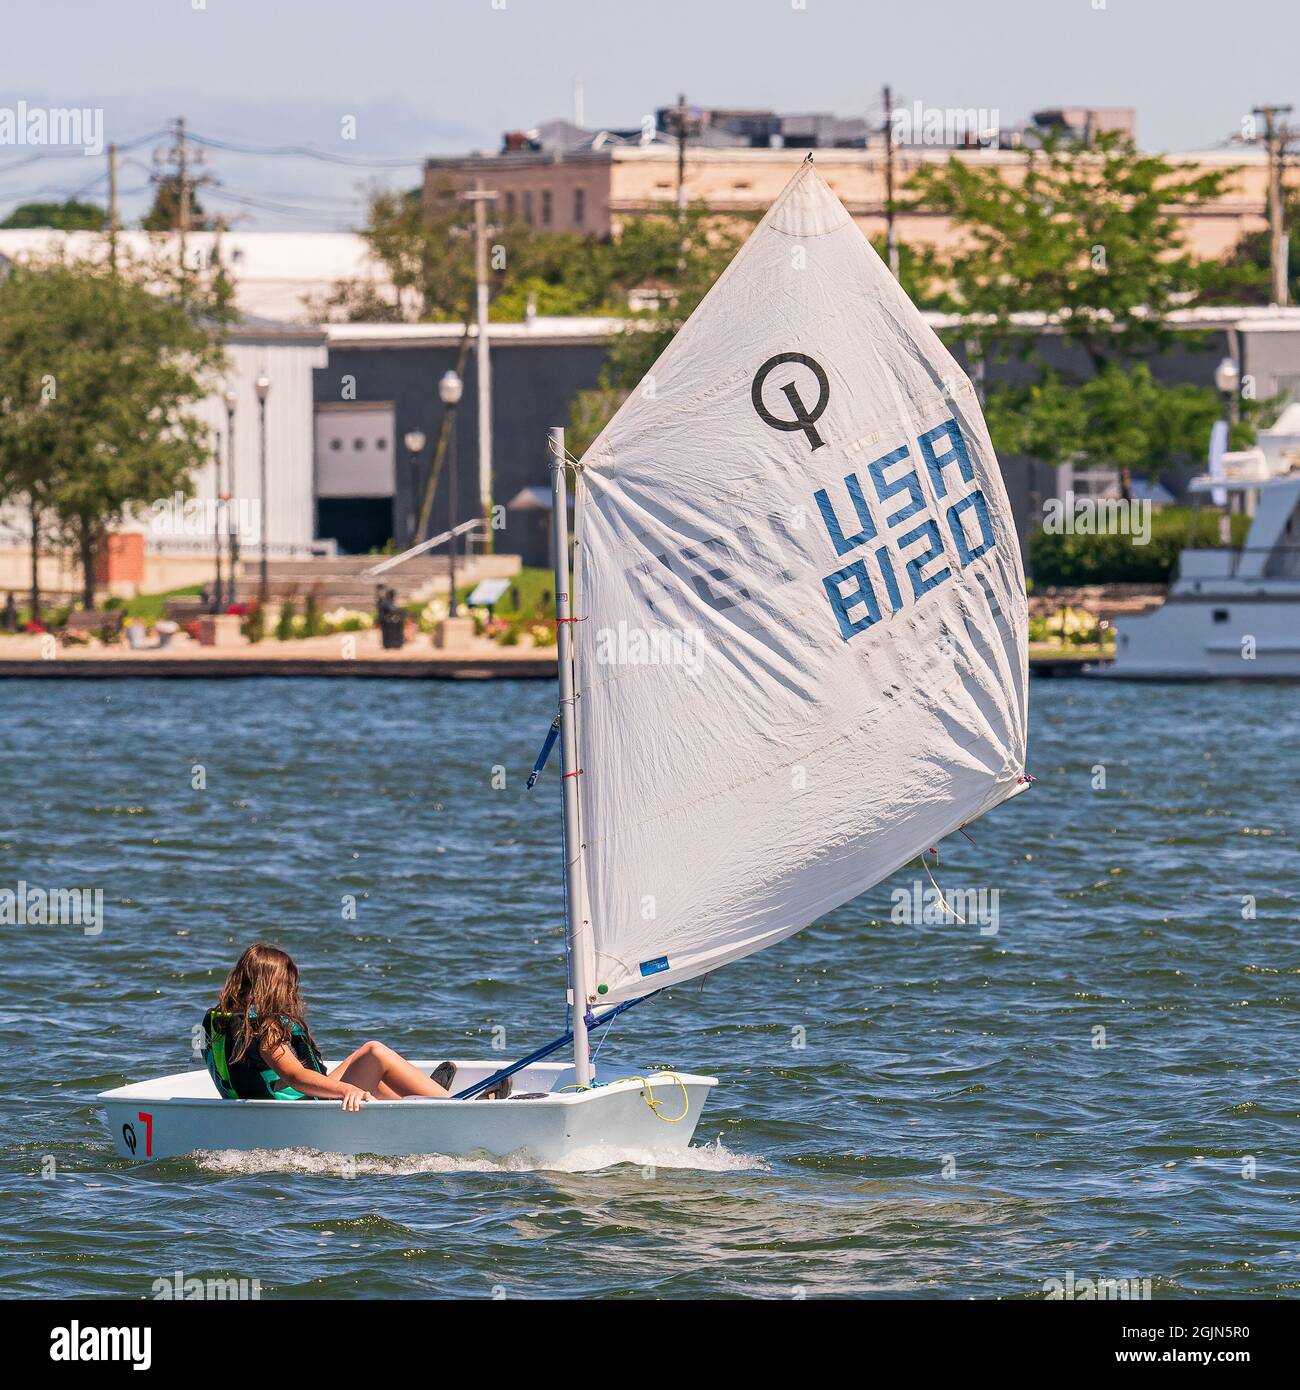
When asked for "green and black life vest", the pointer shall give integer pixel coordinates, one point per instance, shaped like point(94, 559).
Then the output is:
point(248, 1079)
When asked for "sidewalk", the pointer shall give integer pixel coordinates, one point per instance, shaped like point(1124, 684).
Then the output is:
point(340, 654)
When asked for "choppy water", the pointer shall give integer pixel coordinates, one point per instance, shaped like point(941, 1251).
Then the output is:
point(950, 1127)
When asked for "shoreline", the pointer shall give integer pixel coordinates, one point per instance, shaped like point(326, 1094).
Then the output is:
point(338, 655)
point(323, 658)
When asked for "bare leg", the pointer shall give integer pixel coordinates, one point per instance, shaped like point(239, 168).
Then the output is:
point(387, 1076)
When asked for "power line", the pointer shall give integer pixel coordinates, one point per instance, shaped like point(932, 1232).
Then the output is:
point(307, 152)
point(39, 155)
point(282, 209)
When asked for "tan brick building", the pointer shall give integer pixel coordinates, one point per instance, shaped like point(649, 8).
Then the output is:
point(593, 191)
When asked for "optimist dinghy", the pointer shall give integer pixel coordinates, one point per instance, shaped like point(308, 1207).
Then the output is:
point(796, 658)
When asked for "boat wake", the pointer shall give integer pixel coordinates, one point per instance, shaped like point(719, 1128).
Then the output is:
point(706, 1158)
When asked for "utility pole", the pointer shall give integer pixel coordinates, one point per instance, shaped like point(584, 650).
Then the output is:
point(483, 360)
point(183, 193)
point(891, 233)
point(1276, 135)
point(681, 125)
point(179, 158)
point(112, 206)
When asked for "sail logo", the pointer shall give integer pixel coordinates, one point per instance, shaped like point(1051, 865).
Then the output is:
point(910, 547)
point(801, 418)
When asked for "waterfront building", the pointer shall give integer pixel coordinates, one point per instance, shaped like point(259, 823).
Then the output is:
point(563, 178)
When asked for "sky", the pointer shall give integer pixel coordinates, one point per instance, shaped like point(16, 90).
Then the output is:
point(420, 77)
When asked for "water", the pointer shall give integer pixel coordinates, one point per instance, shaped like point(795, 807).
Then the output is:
point(949, 1127)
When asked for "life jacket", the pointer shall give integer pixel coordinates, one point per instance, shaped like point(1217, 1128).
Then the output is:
point(247, 1078)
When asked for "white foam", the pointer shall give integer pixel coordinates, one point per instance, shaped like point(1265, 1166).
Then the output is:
point(708, 1158)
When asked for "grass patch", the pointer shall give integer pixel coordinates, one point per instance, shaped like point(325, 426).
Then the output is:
point(531, 595)
point(149, 608)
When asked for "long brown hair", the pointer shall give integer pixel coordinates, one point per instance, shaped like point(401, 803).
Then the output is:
point(261, 996)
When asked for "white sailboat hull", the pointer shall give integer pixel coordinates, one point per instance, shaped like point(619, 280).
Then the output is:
point(182, 1113)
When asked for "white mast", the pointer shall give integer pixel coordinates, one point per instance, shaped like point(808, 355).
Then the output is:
point(482, 358)
point(577, 926)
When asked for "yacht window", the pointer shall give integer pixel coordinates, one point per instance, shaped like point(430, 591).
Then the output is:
point(1220, 615)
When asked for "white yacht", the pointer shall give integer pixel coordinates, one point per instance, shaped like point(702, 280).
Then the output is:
point(1232, 613)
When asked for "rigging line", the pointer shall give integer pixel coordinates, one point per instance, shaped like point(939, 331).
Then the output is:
point(554, 1046)
point(952, 911)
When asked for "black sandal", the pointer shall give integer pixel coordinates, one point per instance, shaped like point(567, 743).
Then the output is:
point(443, 1075)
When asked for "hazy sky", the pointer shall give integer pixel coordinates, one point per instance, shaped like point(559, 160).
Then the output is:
point(439, 76)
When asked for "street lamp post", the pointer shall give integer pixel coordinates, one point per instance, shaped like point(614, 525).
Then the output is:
point(1227, 377)
point(415, 442)
point(218, 584)
point(263, 385)
point(449, 391)
point(227, 491)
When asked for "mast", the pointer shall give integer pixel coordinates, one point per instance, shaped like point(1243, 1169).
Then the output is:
point(576, 925)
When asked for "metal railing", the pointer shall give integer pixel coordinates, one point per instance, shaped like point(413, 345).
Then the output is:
point(1283, 562)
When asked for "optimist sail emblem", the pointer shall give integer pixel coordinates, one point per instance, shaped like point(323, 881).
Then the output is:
point(803, 418)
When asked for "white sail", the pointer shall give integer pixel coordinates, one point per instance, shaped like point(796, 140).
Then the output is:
point(801, 640)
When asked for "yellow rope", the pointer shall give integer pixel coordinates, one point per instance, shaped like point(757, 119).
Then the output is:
point(648, 1095)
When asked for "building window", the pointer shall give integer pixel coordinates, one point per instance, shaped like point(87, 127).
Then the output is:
point(528, 206)
point(579, 206)
point(510, 206)
point(546, 207)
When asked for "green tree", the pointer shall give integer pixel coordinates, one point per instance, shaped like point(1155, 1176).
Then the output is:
point(98, 379)
point(1252, 257)
point(68, 216)
point(1088, 235)
point(686, 254)
point(427, 253)
point(1119, 418)
point(165, 213)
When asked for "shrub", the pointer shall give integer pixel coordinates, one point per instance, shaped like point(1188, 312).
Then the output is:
point(313, 623)
point(284, 628)
point(1061, 559)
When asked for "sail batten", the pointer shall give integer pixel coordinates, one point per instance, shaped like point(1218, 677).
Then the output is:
point(803, 654)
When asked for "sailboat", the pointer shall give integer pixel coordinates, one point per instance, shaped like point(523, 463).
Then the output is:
point(792, 657)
